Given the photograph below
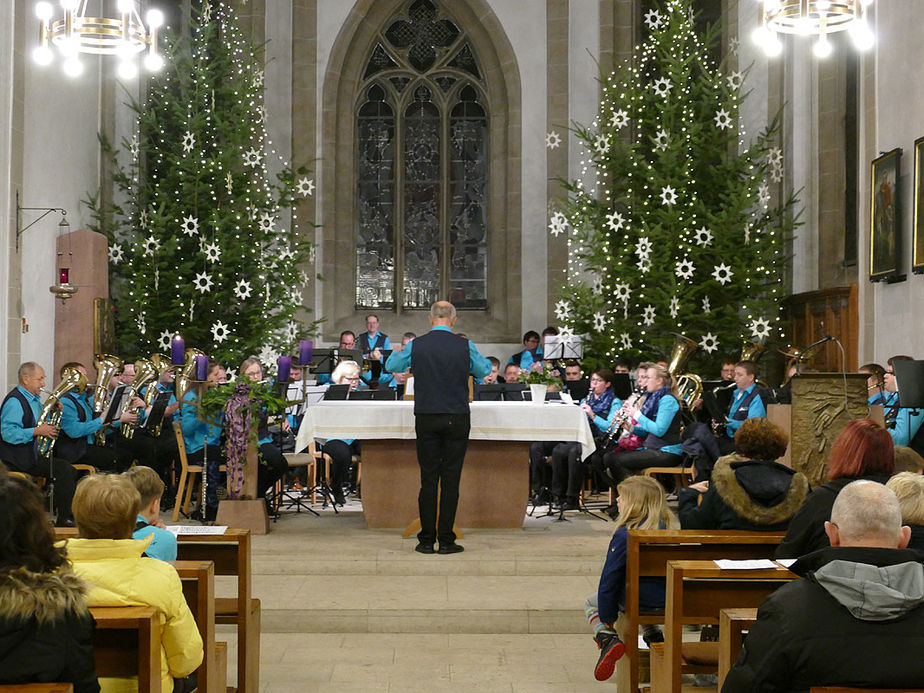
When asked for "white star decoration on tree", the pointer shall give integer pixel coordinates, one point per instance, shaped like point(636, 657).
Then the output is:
point(552, 140)
point(597, 284)
point(242, 289)
point(292, 330)
point(735, 80)
point(203, 282)
point(644, 264)
point(674, 307)
point(723, 119)
point(707, 307)
point(619, 119)
point(252, 157)
point(267, 222)
point(142, 323)
point(668, 195)
point(164, 340)
point(648, 315)
point(133, 147)
point(775, 156)
point(703, 237)
point(562, 310)
point(763, 193)
point(733, 45)
point(189, 141)
point(115, 254)
point(722, 273)
point(212, 252)
point(747, 233)
point(709, 343)
point(565, 332)
point(661, 139)
point(219, 332)
point(760, 328)
point(190, 226)
point(268, 355)
point(621, 292)
point(305, 187)
point(306, 280)
point(661, 87)
point(602, 144)
point(143, 218)
point(653, 19)
point(625, 341)
point(151, 245)
point(557, 224)
point(643, 247)
point(685, 268)
point(614, 221)
point(599, 322)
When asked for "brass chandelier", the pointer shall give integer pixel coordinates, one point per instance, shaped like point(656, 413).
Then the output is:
point(813, 18)
point(77, 33)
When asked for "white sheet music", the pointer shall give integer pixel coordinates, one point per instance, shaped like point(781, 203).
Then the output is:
point(213, 530)
point(750, 564)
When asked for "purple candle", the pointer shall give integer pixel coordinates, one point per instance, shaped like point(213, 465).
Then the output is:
point(177, 351)
point(305, 348)
point(283, 366)
point(202, 367)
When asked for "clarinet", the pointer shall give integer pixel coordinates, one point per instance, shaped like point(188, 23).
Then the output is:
point(620, 418)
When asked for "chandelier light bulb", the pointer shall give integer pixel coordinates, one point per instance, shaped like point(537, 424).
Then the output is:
point(69, 5)
point(43, 10)
point(153, 62)
point(862, 36)
point(42, 55)
point(126, 6)
point(128, 69)
point(73, 67)
point(822, 5)
point(773, 46)
point(155, 18)
point(760, 35)
point(822, 48)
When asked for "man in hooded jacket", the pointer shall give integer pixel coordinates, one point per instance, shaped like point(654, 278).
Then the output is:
point(855, 619)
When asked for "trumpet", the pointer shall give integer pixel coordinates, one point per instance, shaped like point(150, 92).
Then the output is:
point(107, 367)
point(689, 385)
point(145, 373)
point(71, 379)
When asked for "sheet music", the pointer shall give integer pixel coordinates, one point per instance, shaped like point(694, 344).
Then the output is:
point(213, 530)
point(748, 564)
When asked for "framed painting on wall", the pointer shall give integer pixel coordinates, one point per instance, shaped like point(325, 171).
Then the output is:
point(885, 218)
point(917, 238)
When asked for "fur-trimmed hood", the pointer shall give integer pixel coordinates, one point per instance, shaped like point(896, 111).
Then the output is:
point(47, 597)
point(765, 493)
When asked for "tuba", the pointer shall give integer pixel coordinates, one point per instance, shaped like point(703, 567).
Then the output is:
point(752, 351)
point(185, 374)
point(145, 373)
point(689, 385)
point(71, 379)
point(107, 367)
point(162, 365)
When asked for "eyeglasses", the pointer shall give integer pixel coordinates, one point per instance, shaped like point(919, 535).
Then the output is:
point(355, 377)
point(890, 372)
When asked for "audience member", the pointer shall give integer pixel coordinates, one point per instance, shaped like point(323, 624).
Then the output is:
point(863, 450)
point(642, 505)
point(148, 523)
point(907, 460)
point(855, 619)
point(749, 490)
point(46, 630)
point(908, 487)
point(111, 563)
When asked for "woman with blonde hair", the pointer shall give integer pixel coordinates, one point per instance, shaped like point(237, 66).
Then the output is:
point(642, 505)
point(909, 488)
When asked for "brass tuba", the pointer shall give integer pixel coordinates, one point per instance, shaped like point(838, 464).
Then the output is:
point(185, 374)
point(145, 373)
point(162, 365)
point(689, 385)
point(751, 350)
point(71, 379)
point(107, 367)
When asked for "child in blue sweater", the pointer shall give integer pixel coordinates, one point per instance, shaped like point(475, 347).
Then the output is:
point(151, 488)
point(642, 505)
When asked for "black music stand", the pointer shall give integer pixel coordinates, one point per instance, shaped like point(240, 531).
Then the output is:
point(909, 378)
point(336, 393)
point(578, 389)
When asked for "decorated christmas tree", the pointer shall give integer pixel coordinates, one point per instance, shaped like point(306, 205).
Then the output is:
point(199, 244)
point(673, 228)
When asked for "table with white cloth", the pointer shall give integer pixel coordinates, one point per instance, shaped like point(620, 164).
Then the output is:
point(494, 490)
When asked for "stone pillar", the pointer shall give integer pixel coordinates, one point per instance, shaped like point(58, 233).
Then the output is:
point(86, 253)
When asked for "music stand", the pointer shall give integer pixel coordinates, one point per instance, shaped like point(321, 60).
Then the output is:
point(558, 347)
point(156, 416)
point(336, 392)
point(513, 392)
point(909, 379)
point(578, 389)
point(488, 392)
point(622, 386)
point(117, 402)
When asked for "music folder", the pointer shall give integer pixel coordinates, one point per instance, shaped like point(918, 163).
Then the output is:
point(118, 400)
point(156, 415)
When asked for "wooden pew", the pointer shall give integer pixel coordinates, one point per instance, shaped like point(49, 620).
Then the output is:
point(647, 555)
point(127, 643)
point(732, 624)
point(833, 689)
point(230, 552)
point(198, 578)
point(696, 592)
point(37, 687)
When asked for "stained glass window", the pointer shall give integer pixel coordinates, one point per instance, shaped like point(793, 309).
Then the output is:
point(422, 135)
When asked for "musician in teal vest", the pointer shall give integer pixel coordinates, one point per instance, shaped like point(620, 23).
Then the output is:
point(19, 433)
point(904, 423)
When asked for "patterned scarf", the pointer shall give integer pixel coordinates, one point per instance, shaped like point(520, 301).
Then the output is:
point(650, 407)
point(601, 405)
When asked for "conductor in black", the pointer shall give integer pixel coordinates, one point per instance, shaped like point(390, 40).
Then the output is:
point(441, 363)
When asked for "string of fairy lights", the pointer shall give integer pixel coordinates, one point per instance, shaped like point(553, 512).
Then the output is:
point(678, 230)
point(203, 249)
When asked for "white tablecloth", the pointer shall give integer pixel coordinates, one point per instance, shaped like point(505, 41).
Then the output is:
point(490, 421)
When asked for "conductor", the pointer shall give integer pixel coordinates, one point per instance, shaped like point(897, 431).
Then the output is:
point(441, 362)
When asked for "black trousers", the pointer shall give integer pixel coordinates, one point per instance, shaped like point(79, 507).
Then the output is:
point(341, 457)
point(213, 476)
point(622, 465)
point(442, 440)
point(714, 446)
point(272, 466)
point(540, 472)
point(160, 454)
point(567, 470)
point(104, 459)
point(65, 481)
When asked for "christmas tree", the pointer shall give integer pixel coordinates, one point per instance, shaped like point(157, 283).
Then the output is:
point(673, 229)
point(197, 242)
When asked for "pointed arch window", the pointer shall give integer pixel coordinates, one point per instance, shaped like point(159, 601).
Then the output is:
point(422, 138)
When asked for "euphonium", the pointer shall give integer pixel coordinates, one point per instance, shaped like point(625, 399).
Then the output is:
point(71, 379)
point(751, 350)
point(145, 373)
point(186, 373)
point(689, 385)
point(107, 367)
point(162, 365)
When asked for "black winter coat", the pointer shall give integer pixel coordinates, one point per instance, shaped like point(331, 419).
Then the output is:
point(46, 631)
point(804, 637)
point(746, 495)
point(806, 531)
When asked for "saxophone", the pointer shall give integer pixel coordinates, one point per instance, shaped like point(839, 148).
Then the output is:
point(107, 367)
point(145, 373)
point(71, 379)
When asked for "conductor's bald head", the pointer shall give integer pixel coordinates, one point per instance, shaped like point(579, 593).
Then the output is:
point(442, 313)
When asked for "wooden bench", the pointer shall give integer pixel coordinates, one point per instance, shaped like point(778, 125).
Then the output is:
point(833, 689)
point(230, 553)
point(732, 624)
point(647, 555)
point(126, 643)
point(696, 592)
point(37, 687)
point(198, 578)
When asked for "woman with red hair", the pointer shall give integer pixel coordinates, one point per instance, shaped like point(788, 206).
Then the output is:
point(863, 450)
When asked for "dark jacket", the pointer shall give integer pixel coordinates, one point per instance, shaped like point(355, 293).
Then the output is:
point(611, 593)
point(747, 495)
point(917, 538)
point(806, 531)
point(46, 631)
point(855, 620)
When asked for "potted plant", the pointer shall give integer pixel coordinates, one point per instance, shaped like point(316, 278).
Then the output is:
point(540, 378)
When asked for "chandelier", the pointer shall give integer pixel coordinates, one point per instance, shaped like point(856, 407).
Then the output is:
point(77, 33)
point(813, 18)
